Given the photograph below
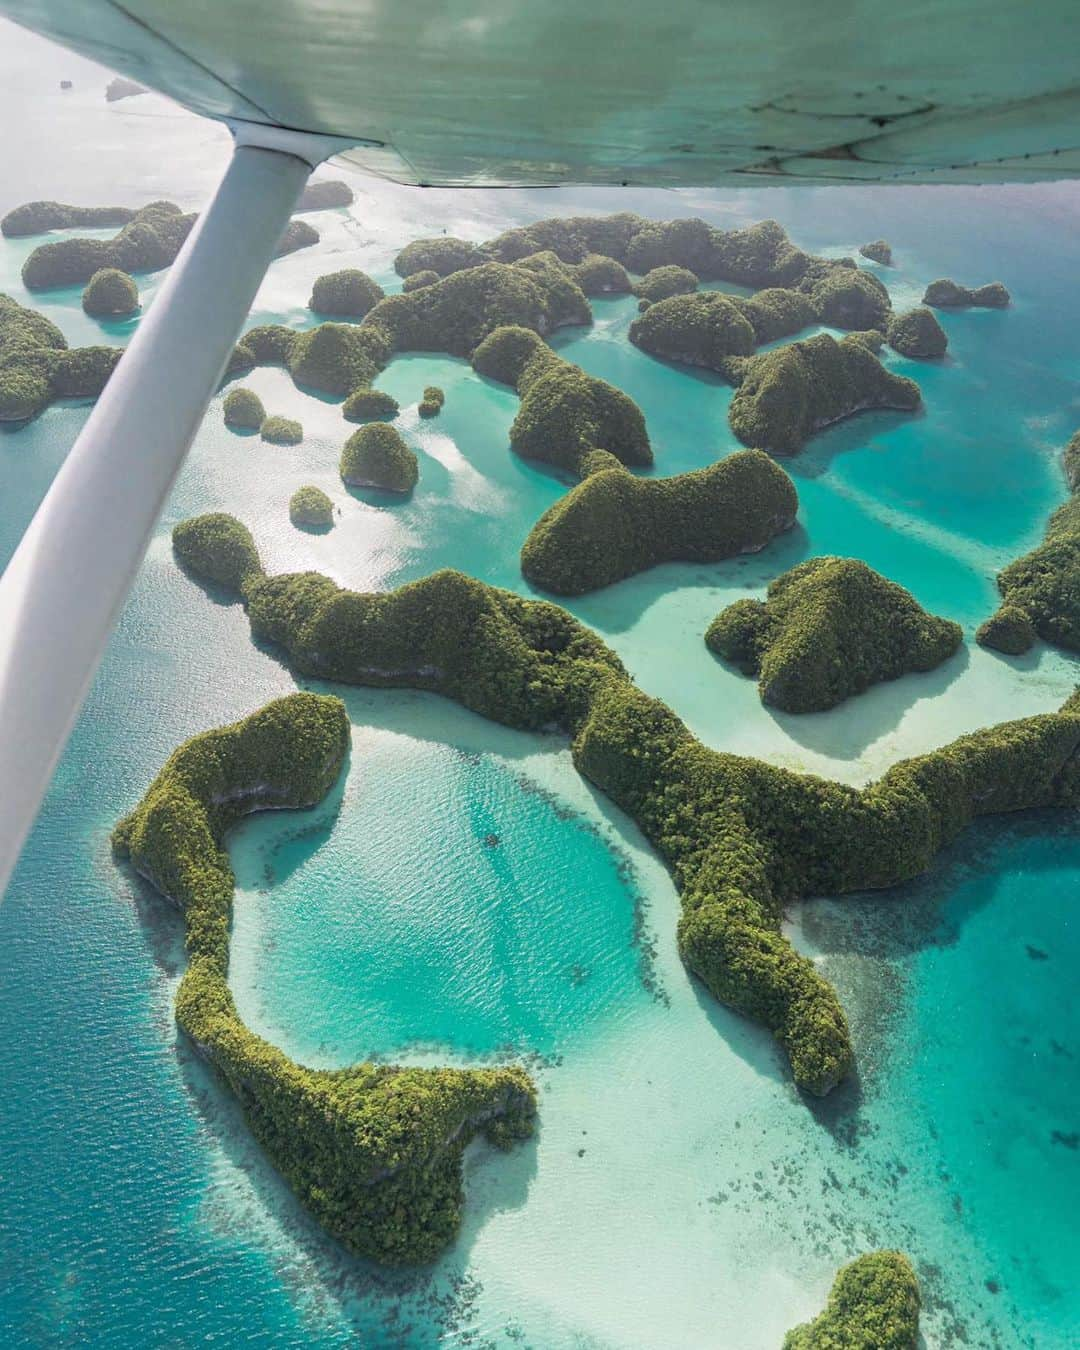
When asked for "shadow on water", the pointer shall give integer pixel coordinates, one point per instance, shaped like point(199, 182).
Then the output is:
point(846, 731)
point(620, 606)
point(387, 1306)
point(389, 1303)
point(853, 433)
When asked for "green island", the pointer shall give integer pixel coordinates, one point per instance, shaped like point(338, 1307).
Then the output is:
point(323, 194)
point(758, 256)
point(373, 1151)
point(432, 402)
point(846, 296)
point(873, 1305)
point(278, 430)
point(366, 404)
point(1040, 592)
point(110, 293)
point(37, 366)
point(612, 524)
point(243, 409)
point(829, 629)
point(416, 281)
point(917, 333)
point(376, 456)
point(564, 414)
point(350, 293)
point(40, 217)
point(441, 256)
point(147, 242)
point(310, 506)
point(945, 294)
point(742, 838)
point(597, 275)
point(664, 282)
point(879, 251)
point(785, 395)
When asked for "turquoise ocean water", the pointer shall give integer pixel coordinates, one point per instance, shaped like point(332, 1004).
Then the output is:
point(465, 897)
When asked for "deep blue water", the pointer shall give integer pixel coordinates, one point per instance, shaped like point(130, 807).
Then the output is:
point(464, 896)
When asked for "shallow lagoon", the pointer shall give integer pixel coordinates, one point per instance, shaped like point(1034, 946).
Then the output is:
point(466, 894)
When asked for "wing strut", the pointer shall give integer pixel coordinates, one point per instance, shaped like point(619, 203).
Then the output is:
point(64, 587)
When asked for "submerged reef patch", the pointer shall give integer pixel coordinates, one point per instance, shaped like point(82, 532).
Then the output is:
point(1043, 585)
point(742, 838)
point(373, 1151)
point(828, 629)
point(612, 525)
point(873, 1305)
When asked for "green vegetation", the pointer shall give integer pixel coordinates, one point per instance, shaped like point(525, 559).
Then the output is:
point(334, 358)
point(279, 430)
point(350, 293)
point(612, 524)
point(364, 405)
point(377, 456)
point(917, 333)
point(1009, 629)
point(787, 394)
point(742, 838)
point(441, 256)
point(777, 313)
point(37, 217)
point(311, 506)
point(110, 293)
point(1044, 584)
point(564, 413)
point(324, 194)
point(846, 296)
point(701, 329)
point(37, 367)
point(416, 281)
point(945, 294)
point(708, 328)
point(664, 282)
point(148, 241)
point(456, 314)
point(217, 548)
point(431, 404)
point(243, 408)
point(597, 275)
point(373, 1151)
point(877, 251)
point(873, 1305)
point(828, 629)
point(761, 255)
